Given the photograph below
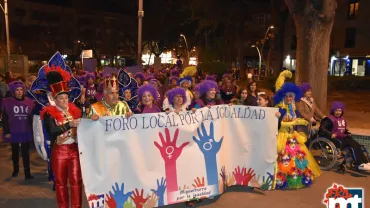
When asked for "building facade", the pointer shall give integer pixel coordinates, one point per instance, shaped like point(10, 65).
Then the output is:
point(38, 30)
point(349, 47)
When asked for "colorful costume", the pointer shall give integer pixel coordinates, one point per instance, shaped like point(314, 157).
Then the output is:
point(17, 120)
point(56, 78)
point(102, 108)
point(128, 84)
point(178, 91)
point(296, 167)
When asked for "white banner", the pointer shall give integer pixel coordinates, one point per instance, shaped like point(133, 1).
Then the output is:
point(151, 160)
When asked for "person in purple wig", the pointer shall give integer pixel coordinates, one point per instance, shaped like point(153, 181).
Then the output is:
point(177, 100)
point(208, 91)
point(139, 77)
point(148, 96)
point(335, 127)
point(308, 109)
point(17, 126)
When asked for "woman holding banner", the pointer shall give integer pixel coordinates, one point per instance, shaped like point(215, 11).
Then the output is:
point(148, 96)
point(208, 91)
point(296, 167)
point(177, 100)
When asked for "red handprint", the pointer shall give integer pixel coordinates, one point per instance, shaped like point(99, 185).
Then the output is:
point(139, 199)
point(110, 201)
point(248, 176)
point(239, 175)
point(198, 183)
point(169, 151)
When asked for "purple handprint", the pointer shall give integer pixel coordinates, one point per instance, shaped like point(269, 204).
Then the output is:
point(119, 196)
point(160, 191)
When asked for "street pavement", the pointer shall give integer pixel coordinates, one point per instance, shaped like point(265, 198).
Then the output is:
point(37, 193)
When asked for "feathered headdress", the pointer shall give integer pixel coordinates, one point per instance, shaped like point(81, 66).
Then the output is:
point(55, 77)
point(282, 88)
point(128, 83)
point(174, 92)
point(147, 88)
point(189, 71)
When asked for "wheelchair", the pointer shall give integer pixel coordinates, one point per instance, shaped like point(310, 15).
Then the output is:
point(330, 152)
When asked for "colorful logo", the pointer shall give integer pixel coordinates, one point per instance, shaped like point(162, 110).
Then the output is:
point(340, 196)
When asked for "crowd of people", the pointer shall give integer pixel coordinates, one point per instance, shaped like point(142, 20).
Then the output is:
point(168, 90)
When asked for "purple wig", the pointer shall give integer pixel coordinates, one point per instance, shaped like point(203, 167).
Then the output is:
point(90, 75)
point(82, 80)
point(140, 75)
point(173, 78)
point(16, 84)
point(148, 88)
point(197, 88)
point(174, 92)
point(154, 81)
point(206, 86)
point(175, 72)
point(305, 87)
point(149, 77)
point(226, 75)
point(336, 105)
point(211, 77)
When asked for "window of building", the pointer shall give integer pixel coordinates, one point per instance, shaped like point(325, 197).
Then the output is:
point(353, 9)
point(350, 40)
point(293, 44)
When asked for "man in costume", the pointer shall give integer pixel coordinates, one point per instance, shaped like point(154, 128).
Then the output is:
point(61, 123)
point(110, 105)
point(17, 126)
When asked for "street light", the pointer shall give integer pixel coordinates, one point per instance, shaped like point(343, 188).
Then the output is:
point(5, 10)
point(186, 44)
point(259, 54)
point(263, 44)
point(140, 15)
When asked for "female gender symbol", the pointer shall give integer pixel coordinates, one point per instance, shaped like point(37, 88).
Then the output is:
point(169, 151)
point(209, 144)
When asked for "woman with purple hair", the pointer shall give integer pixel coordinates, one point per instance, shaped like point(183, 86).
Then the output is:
point(308, 109)
point(148, 96)
point(172, 81)
point(177, 100)
point(139, 77)
point(335, 127)
point(196, 102)
point(208, 91)
point(100, 93)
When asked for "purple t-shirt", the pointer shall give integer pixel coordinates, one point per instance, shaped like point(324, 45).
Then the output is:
point(19, 113)
point(339, 126)
point(90, 91)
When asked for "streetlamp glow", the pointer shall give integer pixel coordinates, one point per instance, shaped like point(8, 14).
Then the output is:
point(272, 27)
point(253, 46)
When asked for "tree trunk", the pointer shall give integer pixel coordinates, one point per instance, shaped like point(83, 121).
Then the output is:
point(313, 27)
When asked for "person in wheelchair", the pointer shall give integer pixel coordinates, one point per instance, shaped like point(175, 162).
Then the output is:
point(308, 110)
point(335, 127)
